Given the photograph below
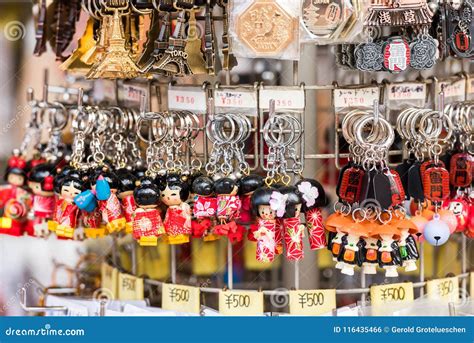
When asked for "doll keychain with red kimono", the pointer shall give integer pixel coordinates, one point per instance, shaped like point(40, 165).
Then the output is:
point(147, 225)
point(247, 186)
point(204, 209)
point(41, 184)
point(287, 203)
point(66, 213)
point(228, 209)
point(174, 192)
point(105, 185)
point(265, 231)
point(126, 187)
point(314, 197)
point(14, 198)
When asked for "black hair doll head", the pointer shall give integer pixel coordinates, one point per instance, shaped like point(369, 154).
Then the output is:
point(71, 186)
point(107, 174)
point(126, 181)
point(16, 171)
point(203, 186)
point(312, 193)
point(174, 190)
point(62, 173)
point(41, 179)
point(293, 202)
point(226, 186)
point(147, 193)
point(248, 184)
point(261, 202)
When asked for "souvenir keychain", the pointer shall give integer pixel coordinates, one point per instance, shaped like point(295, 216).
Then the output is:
point(14, 198)
point(204, 209)
point(174, 192)
point(264, 233)
point(146, 219)
point(41, 183)
point(127, 184)
point(314, 197)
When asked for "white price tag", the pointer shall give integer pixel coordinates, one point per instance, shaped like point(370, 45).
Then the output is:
point(406, 91)
point(455, 89)
point(235, 98)
point(284, 99)
point(132, 93)
point(187, 98)
point(360, 97)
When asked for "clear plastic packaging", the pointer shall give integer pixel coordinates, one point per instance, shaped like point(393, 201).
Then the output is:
point(265, 29)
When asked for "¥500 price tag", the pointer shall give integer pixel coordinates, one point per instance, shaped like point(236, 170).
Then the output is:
point(443, 289)
point(312, 302)
point(180, 298)
point(241, 303)
point(129, 287)
point(395, 292)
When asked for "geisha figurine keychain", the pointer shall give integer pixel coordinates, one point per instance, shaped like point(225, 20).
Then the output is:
point(204, 209)
point(174, 192)
point(266, 226)
point(41, 183)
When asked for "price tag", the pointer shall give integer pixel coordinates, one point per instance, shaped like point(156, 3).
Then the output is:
point(284, 99)
point(406, 91)
point(455, 89)
point(470, 85)
point(240, 303)
point(109, 279)
point(355, 97)
point(312, 302)
point(132, 93)
point(187, 98)
point(235, 98)
point(446, 289)
point(181, 298)
point(129, 287)
point(391, 293)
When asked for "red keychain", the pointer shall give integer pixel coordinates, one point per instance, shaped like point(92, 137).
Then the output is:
point(436, 184)
point(350, 188)
point(460, 170)
point(396, 187)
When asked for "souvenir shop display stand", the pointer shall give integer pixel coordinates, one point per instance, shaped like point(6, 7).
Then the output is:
point(278, 112)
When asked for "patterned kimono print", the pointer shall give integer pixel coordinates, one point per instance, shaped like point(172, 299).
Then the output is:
point(92, 222)
point(43, 206)
point(147, 223)
point(265, 236)
point(66, 217)
point(279, 237)
point(293, 236)
point(112, 213)
point(228, 206)
point(245, 209)
point(128, 207)
point(204, 207)
point(178, 223)
point(314, 223)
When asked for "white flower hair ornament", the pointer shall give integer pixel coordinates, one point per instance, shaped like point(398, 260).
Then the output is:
point(309, 192)
point(278, 203)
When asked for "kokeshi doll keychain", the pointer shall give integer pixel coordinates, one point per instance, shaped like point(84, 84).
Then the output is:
point(204, 208)
point(314, 197)
point(264, 233)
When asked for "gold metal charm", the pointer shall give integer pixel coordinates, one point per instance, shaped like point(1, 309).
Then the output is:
point(193, 47)
point(86, 42)
point(266, 28)
point(116, 62)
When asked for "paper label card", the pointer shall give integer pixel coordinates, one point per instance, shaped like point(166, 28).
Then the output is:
point(312, 302)
point(446, 289)
point(181, 298)
point(240, 303)
point(130, 287)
